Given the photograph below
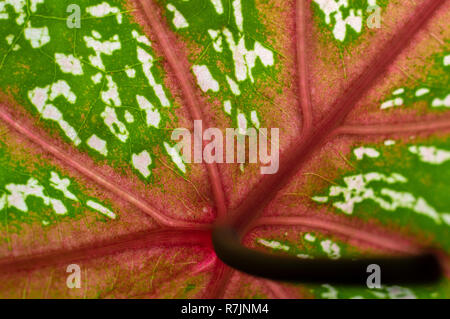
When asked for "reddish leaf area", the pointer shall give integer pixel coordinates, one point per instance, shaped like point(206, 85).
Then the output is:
point(155, 253)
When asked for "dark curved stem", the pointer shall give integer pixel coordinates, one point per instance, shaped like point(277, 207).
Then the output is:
point(414, 269)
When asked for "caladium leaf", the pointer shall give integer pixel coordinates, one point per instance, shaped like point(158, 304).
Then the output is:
point(91, 177)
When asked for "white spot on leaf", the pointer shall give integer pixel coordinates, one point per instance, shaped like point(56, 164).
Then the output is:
point(141, 162)
point(101, 209)
point(204, 78)
point(96, 143)
point(360, 152)
point(69, 64)
point(430, 154)
point(178, 20)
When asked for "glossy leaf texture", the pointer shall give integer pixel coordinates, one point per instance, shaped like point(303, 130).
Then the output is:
point(89, 173)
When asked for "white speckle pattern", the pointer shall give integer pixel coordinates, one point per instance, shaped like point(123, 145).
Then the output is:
point(360, 152)
point(441, 102)
point(152, 115)
point(331, 249)
point(357, 190)
point(141, 162)
point(244, 59)
point(140, 38)
point(176, 157)
point(129, 117)
point(422, 91)
point(233, 86)
point(18, 193)
point(101, 209)
point(111, 96)
point(103, 10)
point(242, 122)
point(9, 39)
point(204, 78)
point(237, 6)
point(320, 199)
point(131, 73)
point(115, 126)
point(39, 98)
point(255, 119)
point(178, 20)
point(217, 40)
point(69, 64)
point(107, 47)
point(97, 78)
point(430, 154)
point(217, 6)
point(332, 8)
point(399, 91)
point(273, 244)
point(62, 184)
point(147, 64)
point(227, 107)
point(309, 237)
point(96, 143)
point(38, 37)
